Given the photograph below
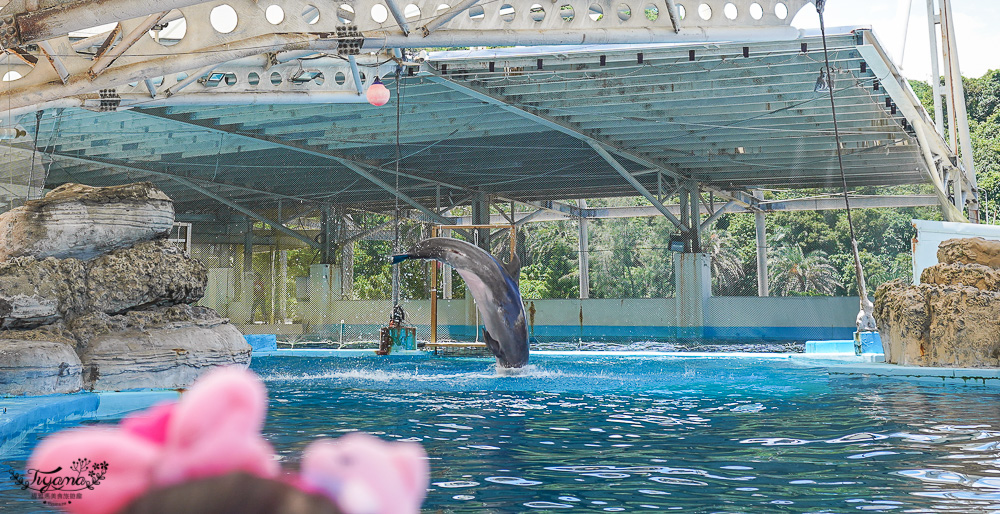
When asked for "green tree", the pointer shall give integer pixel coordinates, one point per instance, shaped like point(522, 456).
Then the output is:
point(727, 266)
point(791, 271)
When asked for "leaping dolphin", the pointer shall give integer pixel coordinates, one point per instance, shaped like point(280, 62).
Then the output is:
point(493, 285)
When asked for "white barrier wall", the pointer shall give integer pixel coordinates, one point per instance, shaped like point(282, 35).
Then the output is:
point(929, 234)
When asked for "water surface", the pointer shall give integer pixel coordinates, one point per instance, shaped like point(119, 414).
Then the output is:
point(645, 434)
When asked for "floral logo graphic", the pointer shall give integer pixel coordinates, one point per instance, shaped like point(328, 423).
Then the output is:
point(61, 486)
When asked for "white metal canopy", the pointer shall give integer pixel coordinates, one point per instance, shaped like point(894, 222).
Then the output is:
point(273, 114)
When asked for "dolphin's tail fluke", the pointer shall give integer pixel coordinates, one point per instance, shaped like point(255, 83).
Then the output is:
point(396, 259)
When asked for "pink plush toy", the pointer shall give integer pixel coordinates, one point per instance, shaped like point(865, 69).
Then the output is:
point(367, 475)
point(215, 430)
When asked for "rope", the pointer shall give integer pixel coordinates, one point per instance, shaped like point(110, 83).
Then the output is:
point(395, 242)
point(34, 152)
point(865, 320)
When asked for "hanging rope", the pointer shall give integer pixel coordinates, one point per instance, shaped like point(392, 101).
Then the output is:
point(865, 320)
point(395, 241)
point(34, 152)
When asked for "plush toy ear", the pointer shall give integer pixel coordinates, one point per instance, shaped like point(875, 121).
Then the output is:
point(150, 424)
point(225, 400)
point(216, 455)
point(356, 470)
point(215, 429)
point(410, 461)
point(83, 453)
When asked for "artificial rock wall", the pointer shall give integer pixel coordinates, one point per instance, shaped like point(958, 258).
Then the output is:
point(93, 297)
point(952, 318)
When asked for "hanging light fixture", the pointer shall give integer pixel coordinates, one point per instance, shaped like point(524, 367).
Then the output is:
point(377, 93)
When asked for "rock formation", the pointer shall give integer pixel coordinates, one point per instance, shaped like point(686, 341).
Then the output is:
point(92, 296)
point(80, 221)
point(952, 318)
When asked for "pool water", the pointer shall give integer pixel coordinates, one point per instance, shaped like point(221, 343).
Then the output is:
point(621, 434)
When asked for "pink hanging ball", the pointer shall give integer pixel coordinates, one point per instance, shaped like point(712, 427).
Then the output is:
point(377, 94)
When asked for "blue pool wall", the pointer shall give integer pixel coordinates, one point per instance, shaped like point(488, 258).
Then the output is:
point(725, 319)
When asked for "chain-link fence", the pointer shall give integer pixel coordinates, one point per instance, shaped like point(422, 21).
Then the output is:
point(290, 291)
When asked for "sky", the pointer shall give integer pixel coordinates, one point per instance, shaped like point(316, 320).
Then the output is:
point(978, 36)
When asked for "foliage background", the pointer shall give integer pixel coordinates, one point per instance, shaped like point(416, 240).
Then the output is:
point(809, 252)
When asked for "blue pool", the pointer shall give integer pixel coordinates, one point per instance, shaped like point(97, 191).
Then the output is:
point(645, 433)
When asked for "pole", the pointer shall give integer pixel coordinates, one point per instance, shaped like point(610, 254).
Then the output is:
point(584, 247)
point(961, 116)
point(434, 293)
point(760, 225)
point(935, 72)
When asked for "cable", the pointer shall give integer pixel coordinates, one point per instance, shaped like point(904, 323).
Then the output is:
point(395, 244)
point(865, 320)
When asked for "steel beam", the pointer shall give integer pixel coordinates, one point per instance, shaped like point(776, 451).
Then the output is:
point(446, 16)
point(388, 187)
point(356, 74)
point(59, 18)
point(55, 60)
point(930, 141)
point(733, 207)
point(962, 116)
point(399, 16)
point(192, 185)
point(543, 120)
point(635, 183)
point(32, 97)
point(935, 72)
point(133, 167)
point(108, 56)
point(705, 225)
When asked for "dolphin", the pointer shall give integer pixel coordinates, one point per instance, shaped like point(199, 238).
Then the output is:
point(493, 285)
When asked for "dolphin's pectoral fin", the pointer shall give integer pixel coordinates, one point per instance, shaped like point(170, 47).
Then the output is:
point(493, 345)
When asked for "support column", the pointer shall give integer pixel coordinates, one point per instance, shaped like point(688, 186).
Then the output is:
point(347, 271)
point(246, 282)
point(694, 202)
point(962, 118)
point(481, 216)
point(692, 269)
point(935, 72)
point(326, 236)
point(324, 289)
point(763, 288)
point(693, 283)
point(446, 282)
point(584, 247)
point(683, 199)
point(282, 284)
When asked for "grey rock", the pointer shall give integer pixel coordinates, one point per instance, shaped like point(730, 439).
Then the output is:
point(42, 291)
point(148, 274)
point(38, 367)
point(164, 347)
point(83, 222)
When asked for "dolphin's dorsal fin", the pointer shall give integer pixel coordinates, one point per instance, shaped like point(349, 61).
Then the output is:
point(513, 268)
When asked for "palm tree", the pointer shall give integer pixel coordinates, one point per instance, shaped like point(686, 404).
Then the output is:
point(791, 270)
point(727, 267)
